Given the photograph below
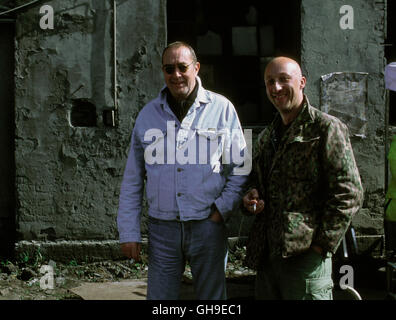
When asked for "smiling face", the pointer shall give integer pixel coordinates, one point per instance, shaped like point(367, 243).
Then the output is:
point(284, 85)
point(179, 83)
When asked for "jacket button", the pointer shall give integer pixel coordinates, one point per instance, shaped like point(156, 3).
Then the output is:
point(179, 169)
point(179, 194)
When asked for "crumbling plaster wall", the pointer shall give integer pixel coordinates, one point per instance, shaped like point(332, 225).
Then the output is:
point(68, 178)
point(327, 48)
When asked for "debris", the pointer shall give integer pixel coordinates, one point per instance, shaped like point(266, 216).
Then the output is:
point(4, 292)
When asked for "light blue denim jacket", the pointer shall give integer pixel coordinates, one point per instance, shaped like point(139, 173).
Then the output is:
point(188, 166)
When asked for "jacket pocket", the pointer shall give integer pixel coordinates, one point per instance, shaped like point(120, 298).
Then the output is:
point(211, 146)
point(298, 232)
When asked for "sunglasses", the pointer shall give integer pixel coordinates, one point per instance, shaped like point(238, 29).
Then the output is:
point(170, 68)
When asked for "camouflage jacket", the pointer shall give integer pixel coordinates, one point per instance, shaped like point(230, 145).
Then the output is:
point(311, 187)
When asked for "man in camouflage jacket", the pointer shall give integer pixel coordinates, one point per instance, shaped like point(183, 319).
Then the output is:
point(305, 190)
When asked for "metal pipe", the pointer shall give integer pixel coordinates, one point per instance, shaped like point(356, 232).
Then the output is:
point(115, 52)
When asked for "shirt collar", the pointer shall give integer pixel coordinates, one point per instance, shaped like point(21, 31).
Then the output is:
point(202, 95)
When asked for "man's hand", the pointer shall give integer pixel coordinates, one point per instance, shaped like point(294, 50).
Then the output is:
point(251, 201)
point(216, 216)
point(131, 250)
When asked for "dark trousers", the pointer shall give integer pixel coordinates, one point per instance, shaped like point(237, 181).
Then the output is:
point(202, 243)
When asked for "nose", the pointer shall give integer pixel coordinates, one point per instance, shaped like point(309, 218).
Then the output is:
point(177, 72)
point(277, 86)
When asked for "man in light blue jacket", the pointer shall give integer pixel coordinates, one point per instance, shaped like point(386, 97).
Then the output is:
point(189, 146)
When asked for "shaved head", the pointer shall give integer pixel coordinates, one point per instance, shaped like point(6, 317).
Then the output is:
point(284, 85)
point(292, 64)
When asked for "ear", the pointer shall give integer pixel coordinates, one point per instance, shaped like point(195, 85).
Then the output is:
point(303, 82)
point(197, 66)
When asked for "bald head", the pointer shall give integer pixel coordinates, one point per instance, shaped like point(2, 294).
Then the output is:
point(284, 84)
point(290, 64)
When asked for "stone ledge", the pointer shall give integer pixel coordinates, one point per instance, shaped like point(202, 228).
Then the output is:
point(67, 250)
point(96, 250)
point(84, 250)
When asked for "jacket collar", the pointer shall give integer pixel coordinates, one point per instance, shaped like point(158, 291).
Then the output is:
point(305, 116)
point(296, 129)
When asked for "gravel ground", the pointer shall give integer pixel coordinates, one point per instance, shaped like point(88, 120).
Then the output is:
point(21, 279)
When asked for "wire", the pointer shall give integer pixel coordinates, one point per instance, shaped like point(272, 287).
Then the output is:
point(20, 7)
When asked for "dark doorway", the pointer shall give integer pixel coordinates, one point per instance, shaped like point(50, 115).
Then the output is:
point(234, 41)
point(390, 55)
point(7, 128)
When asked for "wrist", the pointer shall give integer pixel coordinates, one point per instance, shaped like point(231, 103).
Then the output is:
point(317, 249)
point(215, 214)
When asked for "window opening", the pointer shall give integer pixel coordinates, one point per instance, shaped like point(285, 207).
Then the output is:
point(83, 113)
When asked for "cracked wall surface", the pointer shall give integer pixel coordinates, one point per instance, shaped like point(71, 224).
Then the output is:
point(68, 178)
point(327, 48)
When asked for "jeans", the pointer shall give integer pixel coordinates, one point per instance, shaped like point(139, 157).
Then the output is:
point(304, 277)
point(203, 243)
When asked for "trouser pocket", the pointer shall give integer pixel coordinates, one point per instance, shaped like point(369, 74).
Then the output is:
point(306, 277)
point(319, 289)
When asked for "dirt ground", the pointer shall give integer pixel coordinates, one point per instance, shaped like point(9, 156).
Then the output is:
point(21, 279)
point(19, 282)
point(24, 277)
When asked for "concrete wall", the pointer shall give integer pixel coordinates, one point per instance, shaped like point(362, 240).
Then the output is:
point(68, 178)
point(327, 48)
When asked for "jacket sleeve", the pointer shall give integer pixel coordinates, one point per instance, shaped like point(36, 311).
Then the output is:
point(131, 193)
point(238, 152)
point(344, 192)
